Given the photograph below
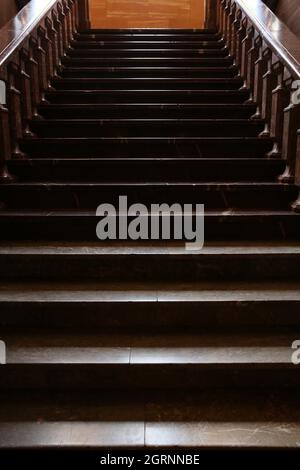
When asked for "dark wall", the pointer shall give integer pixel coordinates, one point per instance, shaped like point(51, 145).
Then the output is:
point(8, 9)
point(289, 12)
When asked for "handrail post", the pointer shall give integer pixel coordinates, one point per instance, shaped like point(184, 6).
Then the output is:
point(83, 15)
point(211, 14)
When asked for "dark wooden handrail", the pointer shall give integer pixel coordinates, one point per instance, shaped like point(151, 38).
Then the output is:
point(31, 47)
point(268, 55)
point(14, 32)
point(284, 43)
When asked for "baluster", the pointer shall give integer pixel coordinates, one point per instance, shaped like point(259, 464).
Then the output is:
point(58, 28)
point(252, 58)
point(32, 70)
point(67, 10)
point(280, 100)
point(5, 147)
point(25, 88)
point(231, 18)
point(62, 19)
point(227, 29)
point(289, 141)
point(53, 37)
point(73, 4)
point(246, 45)
point(269, 83)
point(76, 15)
point(46, 45)
point(235, 28)
point(260, 68)
point(39, 56)
point(15, 108)
point(241, 33)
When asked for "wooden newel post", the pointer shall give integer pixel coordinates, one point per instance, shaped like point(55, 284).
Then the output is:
point(83, 15)
point(211, 20)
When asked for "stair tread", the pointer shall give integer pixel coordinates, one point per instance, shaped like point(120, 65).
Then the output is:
point(146, 121)
point(149, 105)
point(229, 186)
point(169, 139)
point(87, 248)
point(204, 420)
point(136, 292)
point(38, 347)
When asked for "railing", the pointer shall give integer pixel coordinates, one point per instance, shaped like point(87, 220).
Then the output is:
point(268, 55)
point(31, 48)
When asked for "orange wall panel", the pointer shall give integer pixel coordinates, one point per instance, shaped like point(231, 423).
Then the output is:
point(147, 13)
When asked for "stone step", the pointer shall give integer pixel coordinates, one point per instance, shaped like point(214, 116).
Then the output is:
point(146, 127)
point(162, 307)
point(39, 360)
point(146, 111)
point(151, 83)
point(140, 72)
point(155, 262)
point(167, 96)
point(147, 147)
point(221, 420)
point(214, 195)
point(147, 169)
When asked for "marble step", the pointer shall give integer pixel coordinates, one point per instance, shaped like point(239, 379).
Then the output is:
point(166, 96)
point(147, 52)
point(146, 169)
point(148, 61)
point(146, 127)
point(198, 306)
point(139, 72)
point(222, 420)
point(147, 147)
point(146, 111)
point(41, 360)
point(136, 43)
point(214, 195)
point(150, 83)
point(132, 261)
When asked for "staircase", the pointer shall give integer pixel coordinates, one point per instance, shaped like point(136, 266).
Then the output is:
point(132, 344)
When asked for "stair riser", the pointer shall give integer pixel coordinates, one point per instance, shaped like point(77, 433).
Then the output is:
point(144, 111)
point(177, 31)
point(149, 96)
point(90, 197)
point(139, 72)
point(128, 53)
point(148, 62)
point(217, 316)
point(145, 148)
point(141, 376)
point(146, 84)
point(167, 36)
point(156, 268)
point(146, 128)
point(147, 170)
point(120, 45)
